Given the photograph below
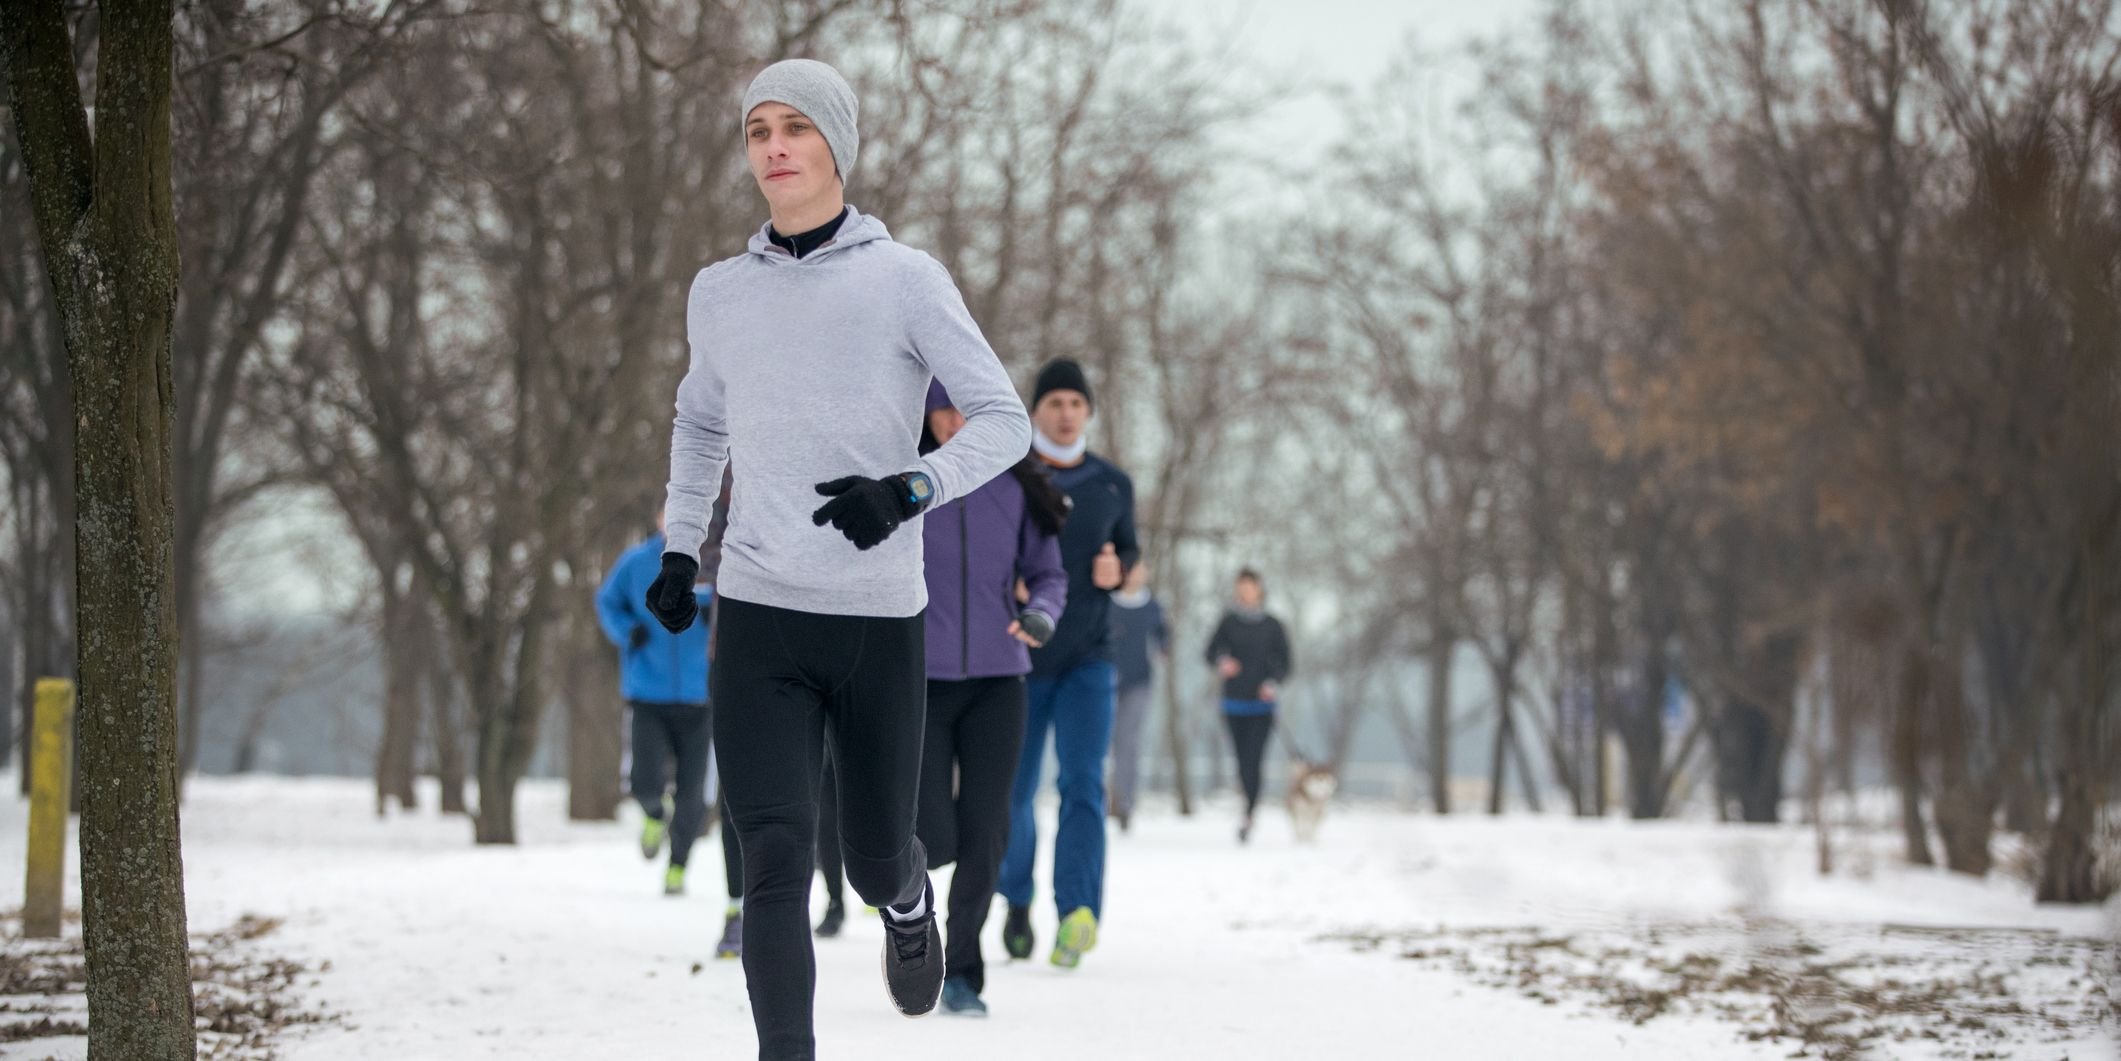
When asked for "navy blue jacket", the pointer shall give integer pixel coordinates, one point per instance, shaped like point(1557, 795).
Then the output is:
point(1102, 511)
point(1139, 636)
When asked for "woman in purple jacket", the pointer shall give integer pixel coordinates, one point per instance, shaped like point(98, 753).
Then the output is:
point(979, 548)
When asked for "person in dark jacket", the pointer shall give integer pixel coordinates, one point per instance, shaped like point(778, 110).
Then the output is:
point(663, 677)
point(1250, 653)
point(1140, 641)
point(1073, 682)
point(979, 548)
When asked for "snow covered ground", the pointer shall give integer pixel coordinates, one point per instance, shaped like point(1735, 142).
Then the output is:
point(1394, 937)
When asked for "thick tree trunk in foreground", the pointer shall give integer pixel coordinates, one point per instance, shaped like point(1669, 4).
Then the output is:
point(105, 221)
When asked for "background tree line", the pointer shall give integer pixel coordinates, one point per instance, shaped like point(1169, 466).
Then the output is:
point(1762, 356)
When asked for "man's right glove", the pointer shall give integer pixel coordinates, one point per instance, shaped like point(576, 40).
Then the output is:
point(866, 510)
point(670, 596)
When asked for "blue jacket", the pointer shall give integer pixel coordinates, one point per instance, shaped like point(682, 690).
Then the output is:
point(976, 548)
point(665, 668)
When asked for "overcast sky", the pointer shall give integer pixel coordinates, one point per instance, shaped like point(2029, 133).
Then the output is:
point(1335, 43)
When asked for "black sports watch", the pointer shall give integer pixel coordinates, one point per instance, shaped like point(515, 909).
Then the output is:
point(920, 490)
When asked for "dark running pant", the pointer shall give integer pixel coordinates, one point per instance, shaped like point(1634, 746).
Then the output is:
point(829, 864)
point(786, 685)
point(1249, 733)
point(976, 726)
point(662, 732)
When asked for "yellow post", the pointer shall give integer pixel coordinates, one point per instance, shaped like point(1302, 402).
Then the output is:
point(51, 784)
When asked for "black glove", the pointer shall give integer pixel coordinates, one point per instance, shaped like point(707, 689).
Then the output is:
point(1035, 624)
point(638, 638)
point(670, 597)
point(866, 510)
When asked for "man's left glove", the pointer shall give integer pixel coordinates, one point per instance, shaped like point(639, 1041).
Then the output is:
point(670, 597)
point(866, 510)
point(1036, 625)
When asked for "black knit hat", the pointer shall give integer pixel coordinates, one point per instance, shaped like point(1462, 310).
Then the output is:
point(1061, 375)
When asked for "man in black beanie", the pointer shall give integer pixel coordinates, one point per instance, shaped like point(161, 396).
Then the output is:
point(1074, 683)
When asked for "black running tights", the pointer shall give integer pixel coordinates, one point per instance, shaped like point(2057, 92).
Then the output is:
point(786, 684)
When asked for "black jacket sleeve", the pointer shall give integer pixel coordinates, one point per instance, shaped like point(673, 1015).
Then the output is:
point(1124, 541)
point(1284, 661)
point(1219, 645)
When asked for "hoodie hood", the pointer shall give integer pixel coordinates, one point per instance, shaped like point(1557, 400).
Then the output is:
point(856, 229)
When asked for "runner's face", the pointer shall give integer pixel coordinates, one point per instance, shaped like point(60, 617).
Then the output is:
point(944, 424)
point(789, 158)
point(1249, 595)
point(1061, 416)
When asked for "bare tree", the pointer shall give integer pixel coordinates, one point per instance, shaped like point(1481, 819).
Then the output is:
point(104, 217)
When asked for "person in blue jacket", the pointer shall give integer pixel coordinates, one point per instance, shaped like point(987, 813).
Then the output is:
point(663, 677)
point(979, 549)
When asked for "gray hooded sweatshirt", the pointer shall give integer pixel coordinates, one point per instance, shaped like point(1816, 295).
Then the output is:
point(807, 370)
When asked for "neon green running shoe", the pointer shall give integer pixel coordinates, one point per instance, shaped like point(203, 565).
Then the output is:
point(652, 830)
point(1078, 933)
point(674, 881)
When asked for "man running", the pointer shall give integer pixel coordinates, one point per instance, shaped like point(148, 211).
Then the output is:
point(1073, 682)
point(1250, 653)
point(1140, 641)
point(663, 677)
point(811, 355)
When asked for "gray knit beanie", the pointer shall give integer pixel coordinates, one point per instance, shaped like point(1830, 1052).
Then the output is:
point(821, 94)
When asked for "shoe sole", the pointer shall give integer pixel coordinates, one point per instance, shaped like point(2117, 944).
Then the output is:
point(883, 960)
point(1072, 943)
point(964, 1014)
point(725, 955)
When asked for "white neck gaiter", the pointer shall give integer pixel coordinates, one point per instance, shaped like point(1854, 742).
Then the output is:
point(1058, 453)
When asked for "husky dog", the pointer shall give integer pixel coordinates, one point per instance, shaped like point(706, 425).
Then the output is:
point(1310, 786)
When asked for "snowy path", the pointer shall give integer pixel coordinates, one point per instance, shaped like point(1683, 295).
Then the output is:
point(563, 948)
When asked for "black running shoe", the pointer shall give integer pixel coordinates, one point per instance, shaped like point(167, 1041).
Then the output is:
point(913, 959)
point(829, 925)
point(1016, 932)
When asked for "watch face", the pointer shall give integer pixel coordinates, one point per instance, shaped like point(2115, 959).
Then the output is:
point(922, 490)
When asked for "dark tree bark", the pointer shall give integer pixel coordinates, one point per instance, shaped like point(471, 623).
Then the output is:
point(1441, 649)
point(595, 716)
point(107, 226)
point(447, 730)
point(404, 665)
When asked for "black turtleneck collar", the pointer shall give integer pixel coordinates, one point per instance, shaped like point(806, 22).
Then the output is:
point(802, 243)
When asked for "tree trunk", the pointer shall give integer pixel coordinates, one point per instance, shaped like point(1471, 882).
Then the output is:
point(447, 731)
point(191, 668)
point(496, 821)
point(1906, 755)
point(595, 717)
point(508, 709)
point(1176, 747)
point(104, 217)
point(1441, 651)
point(2083, 754)
point(1642, 734)
point(1754, 743)
point(7, 699)
point(1965, 813)
point(1496, 763)
point(404, 666)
